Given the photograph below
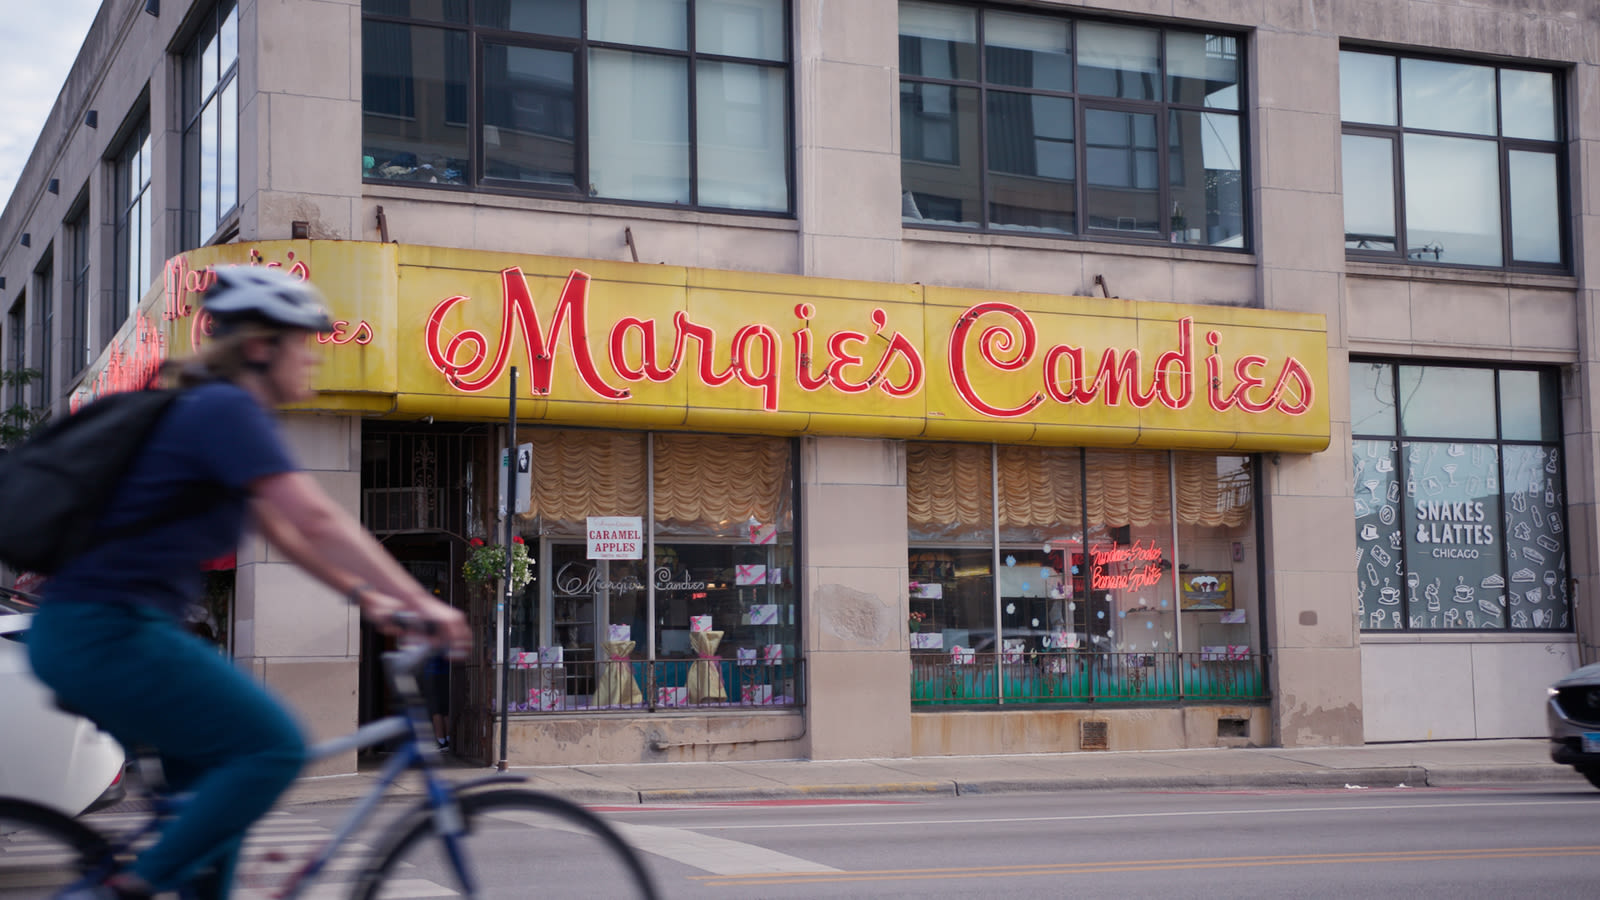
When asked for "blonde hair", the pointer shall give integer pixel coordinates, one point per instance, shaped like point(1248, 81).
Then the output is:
point(221, 358)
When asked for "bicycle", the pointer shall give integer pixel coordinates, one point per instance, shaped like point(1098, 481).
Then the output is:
point(423, 853)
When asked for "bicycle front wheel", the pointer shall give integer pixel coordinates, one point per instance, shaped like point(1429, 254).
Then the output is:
point(43, 851)
point(515, 842)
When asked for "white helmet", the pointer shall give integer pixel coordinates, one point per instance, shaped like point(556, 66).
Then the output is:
point(241, 295)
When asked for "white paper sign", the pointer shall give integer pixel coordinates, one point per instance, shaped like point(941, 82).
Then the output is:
point(616, 537)
point(523, 491)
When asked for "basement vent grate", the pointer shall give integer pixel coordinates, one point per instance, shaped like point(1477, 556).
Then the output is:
point(1233, 728)
point(1093, 736)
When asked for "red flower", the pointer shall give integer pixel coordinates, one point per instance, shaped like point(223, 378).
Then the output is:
point(476, 542)
point(517, 539)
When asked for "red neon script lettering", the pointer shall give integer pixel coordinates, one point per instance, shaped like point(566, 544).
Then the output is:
point(995, 341)
point(517, 309)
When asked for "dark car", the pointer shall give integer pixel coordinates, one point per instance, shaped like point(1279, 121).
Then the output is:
point(1574, 714)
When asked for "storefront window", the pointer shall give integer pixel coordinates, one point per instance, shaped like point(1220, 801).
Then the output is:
point(1462, 519)
point(1078, 573)
point(701, 610)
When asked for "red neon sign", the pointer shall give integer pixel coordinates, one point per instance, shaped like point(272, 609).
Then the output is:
point(1001, 336)
point(755, 351)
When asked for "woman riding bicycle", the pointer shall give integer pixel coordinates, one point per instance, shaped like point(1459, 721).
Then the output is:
point(110, 639)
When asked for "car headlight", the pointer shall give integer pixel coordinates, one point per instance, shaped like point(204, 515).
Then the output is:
point(1551, 692)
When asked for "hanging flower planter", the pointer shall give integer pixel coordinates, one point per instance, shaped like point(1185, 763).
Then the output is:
point(486, 563)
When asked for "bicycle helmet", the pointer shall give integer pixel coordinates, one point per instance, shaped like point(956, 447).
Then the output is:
point(242, 295)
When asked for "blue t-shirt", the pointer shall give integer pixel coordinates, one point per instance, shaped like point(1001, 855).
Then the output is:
point(215, 434)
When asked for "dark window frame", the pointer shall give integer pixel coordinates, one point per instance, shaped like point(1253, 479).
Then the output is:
point(126, 220)
point(1161, 109)
point(17, 321)
point(478, 36)
point(78, 348)
point(1500, 442)
point(194, 109)
point(44, 298)
point(1402, 252)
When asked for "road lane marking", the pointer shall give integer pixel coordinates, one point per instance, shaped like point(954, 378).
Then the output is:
point(1154, 865)
point(716, 855)
point(719, 856)
point(1000, 820)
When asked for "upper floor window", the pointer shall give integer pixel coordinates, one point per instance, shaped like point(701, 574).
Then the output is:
point(132, 205)
point(78, 348)
point(44, 313)
point(1447, 162)
point(211, 125)
point(679, 102)
point(1039, 124)
point(17, 327)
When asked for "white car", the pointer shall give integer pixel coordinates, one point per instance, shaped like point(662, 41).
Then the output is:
point(46, 755)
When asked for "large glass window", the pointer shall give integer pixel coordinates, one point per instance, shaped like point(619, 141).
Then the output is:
point(211, 126)
point(1001, 111)
point(1452, 162)
point(1459, 498)
point(131, 196)
point(600, 99)
point(1044, 575)
point(711, 619)
point(78, 348)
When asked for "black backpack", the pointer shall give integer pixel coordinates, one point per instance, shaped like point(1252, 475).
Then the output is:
point(56, 485)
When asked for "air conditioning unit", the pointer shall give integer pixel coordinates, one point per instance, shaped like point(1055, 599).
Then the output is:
point(387, 510)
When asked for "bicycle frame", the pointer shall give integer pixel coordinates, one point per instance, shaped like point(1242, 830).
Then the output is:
point(408, 725)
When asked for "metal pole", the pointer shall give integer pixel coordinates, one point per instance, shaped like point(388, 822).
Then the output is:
point(505, 600)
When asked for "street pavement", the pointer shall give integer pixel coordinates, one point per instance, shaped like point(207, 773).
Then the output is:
point(1430, 764)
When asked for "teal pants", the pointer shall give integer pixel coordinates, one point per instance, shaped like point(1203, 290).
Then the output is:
point(144, 679)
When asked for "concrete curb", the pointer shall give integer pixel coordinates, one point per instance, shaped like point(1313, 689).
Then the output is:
point(1456, 776)
point(802, 791)
point(1387, 776)
point(1333, 778)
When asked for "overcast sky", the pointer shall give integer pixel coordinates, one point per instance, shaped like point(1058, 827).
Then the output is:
point(38, 42)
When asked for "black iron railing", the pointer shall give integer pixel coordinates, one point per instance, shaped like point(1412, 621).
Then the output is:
point(651, 685)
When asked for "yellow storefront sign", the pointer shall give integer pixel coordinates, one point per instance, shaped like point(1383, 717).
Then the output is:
point(430, 331)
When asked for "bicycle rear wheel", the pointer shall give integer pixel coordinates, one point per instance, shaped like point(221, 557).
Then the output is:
point(43, 851)
point(516, 842)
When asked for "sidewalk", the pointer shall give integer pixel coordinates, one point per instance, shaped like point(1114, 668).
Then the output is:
point(1432, 764)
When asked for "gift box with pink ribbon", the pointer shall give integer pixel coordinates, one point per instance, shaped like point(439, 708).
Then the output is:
point(746, 656)
point(699, 623)
point(546, 699)
point(962, 656)
point(619, 632)
point(672, 696)
point(772, 653)
point(1012, 652)
point(764, 614)
point(756, 693)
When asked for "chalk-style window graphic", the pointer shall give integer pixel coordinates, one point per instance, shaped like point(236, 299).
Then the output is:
point(1461, 525)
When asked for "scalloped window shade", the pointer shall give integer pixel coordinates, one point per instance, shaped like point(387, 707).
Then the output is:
point(1213, 490)
point(1128, 487)
point(1040, 488)
point(577, 474)
point(716, 484)
point(947, 489)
